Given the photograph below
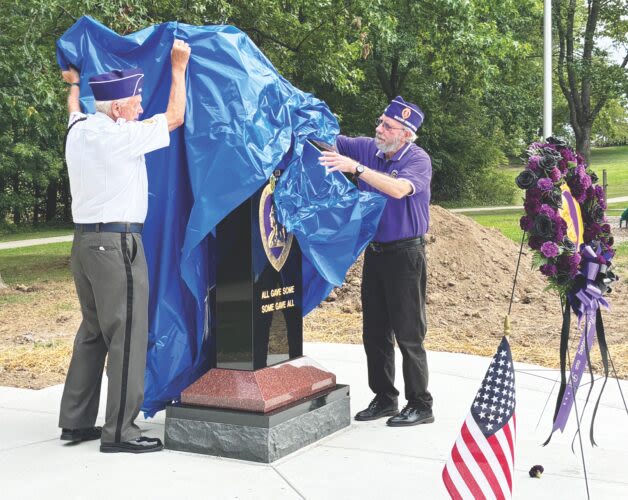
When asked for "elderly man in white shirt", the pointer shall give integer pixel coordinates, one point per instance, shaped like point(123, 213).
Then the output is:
point(105, 157)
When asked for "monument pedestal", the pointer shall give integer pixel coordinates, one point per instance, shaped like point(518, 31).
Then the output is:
point(257, 437)
point(261, 390)
point(264, 399)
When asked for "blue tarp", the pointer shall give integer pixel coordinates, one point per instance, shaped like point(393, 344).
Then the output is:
point(243, 121)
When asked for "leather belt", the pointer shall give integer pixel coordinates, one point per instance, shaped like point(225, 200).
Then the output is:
point(390, 246)
point(110, 227)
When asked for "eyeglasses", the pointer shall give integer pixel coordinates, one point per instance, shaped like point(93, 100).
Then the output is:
point(385, 125)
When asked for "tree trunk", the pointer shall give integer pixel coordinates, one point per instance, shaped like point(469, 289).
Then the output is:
point(66, 200)
point(51, 201)
point(36, 205)
point(583, 142)
point(17, 214)
point(3, 210)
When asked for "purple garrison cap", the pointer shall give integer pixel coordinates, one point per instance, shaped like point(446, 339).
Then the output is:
point(405, 113)
point(117, 84)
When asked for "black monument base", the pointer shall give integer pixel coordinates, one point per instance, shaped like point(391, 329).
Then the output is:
point(257, 437)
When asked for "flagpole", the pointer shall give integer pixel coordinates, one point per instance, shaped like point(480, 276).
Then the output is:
point(547, 69)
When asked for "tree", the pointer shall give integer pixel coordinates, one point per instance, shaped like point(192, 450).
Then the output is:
point(587, 74)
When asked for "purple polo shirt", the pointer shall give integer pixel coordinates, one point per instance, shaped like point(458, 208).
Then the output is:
point(408, 217)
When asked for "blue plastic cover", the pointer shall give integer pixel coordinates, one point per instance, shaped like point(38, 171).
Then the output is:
point(243, 121)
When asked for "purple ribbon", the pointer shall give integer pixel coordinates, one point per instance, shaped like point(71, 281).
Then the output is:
point(585, 302)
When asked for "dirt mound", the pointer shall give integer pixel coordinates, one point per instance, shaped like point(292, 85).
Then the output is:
point(470, 277)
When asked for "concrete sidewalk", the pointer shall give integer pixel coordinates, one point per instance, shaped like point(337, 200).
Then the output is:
point(366, 461)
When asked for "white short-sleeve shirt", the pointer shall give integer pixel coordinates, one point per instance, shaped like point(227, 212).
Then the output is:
point(106, 166)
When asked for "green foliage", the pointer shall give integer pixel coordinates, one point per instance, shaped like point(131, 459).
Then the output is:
point(472, 65)
point(611, 126)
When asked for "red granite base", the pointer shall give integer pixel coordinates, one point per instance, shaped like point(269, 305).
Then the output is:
point(262, 390)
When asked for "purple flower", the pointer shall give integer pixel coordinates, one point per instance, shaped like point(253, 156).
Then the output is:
point(591, 232)
point(561, 229)
point(575, 259)
point(555, 174)
point(574, 263)
point(568, 154)
point(535, 242)
point(533, 163)
point(533, 194)
point(549, 249)
point(580, 160)
point(545, 184)
point(547, 210)
point(526, 223)
point(549, 270)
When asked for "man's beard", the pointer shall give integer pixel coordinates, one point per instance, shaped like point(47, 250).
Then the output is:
point(390, 147)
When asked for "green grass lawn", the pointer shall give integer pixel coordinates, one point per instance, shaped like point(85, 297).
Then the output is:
point(507, 221)
point(613, 159)
point(27, 265)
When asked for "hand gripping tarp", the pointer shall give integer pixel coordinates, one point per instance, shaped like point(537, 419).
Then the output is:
point(242, 121)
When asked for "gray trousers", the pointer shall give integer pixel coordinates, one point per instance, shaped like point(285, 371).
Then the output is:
point(112, 285)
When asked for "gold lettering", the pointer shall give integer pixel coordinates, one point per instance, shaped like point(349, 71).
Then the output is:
point(266, 308)
point(288, 290)
point(291, 303)
point(280, 305)
point(265, 294)
point(275, 292)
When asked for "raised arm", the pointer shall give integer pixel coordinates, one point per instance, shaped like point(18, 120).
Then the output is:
point(71, 77)
point(179, 57)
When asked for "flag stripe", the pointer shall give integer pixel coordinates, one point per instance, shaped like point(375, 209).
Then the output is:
point(510, 437)
point(480, 455)
point(502, 456)
point(488, 459)
point(455, 484)
point(465, 473)
point(474, 467)
point(500, 442)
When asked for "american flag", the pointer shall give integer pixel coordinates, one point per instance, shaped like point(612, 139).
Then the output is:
point(482, 460)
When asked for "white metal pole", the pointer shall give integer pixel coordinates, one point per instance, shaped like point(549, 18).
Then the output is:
point(547, 69)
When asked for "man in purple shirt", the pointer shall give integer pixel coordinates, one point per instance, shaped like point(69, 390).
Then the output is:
point(394, 276)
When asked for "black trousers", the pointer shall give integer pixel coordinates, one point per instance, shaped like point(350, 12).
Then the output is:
point(393, 302)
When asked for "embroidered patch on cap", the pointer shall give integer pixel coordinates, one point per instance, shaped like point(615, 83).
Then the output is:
point(406, 113)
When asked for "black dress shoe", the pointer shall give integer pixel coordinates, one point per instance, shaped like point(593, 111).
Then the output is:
point(79, 435)
point(139, 445)
point(378, 408)
point(411, 415)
